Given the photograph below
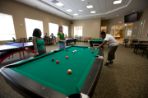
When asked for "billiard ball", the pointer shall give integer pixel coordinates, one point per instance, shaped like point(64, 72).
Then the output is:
point(26, 48)
point(66, 57)
point(101, 57)
point(69, 71)
point(57, 62)
point(52, 59)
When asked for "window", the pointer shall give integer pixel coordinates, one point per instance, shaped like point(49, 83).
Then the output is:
point(129, 33)
point(31, 24)
point(65, 30)
point(6, 27)
point(53, 28)
point(78, 31)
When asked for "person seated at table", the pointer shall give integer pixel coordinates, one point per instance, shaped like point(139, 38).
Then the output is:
point(13, 39)
point(61, 38)
point(46, 39)
point(38, 42)
point(53, 38)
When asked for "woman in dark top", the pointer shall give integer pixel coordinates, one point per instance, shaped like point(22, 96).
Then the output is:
point(38, 42)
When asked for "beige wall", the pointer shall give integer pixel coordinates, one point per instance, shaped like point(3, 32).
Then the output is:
point(91, 27)
point(139, 29)
point(144, 26)
point(21, 11)
point(115, 21)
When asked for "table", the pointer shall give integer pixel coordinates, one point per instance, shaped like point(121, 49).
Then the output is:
point(140, 46)
point(40, 77)
point(12, 47)
point(70, 40)
point(96, 41)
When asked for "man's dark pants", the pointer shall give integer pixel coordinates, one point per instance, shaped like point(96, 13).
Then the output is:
point(111, 53)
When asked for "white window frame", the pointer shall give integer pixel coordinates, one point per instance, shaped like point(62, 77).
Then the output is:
point(65, 30)
point(53, 28)
point(78, 31)
point(31, 24)
point(6, 27)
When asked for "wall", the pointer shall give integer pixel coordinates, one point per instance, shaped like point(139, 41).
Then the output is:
point(139, 28)
point(91, 27)
point(143, 35)
point(20, 11)
point(115, 21)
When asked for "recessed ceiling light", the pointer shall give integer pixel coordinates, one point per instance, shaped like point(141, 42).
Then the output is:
point(80, 10)
point(75, 14)
point(117, 2)
point(69, 10)
point(92, 12)
point(89, 6)
point(59, 4)
point(82, 0)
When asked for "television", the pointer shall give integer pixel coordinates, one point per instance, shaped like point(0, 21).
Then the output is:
point(133, 17)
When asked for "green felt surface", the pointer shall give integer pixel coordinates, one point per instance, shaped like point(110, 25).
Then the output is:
point(97, 39)
point(52, 75)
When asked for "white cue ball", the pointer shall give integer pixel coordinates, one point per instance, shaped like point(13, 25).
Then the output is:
point(69, 71)
point(101, 57)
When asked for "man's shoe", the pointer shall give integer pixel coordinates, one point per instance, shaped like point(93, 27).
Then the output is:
point(107, 63)
point(110, 62)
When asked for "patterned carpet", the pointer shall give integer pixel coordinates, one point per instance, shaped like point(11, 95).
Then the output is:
point(126, 78)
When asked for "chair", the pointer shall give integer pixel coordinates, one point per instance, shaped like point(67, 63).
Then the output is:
point(30, 39)
point(126, 42)
point(13, 39)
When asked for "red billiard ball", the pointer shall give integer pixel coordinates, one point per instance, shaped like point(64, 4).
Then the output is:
point(69, 71)
point(26, 48)
point(57, 62)
point(66, 57)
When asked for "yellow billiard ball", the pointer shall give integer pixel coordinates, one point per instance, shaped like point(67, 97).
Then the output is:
point(69, 71)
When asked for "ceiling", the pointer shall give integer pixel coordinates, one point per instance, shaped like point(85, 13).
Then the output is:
point(103, 8)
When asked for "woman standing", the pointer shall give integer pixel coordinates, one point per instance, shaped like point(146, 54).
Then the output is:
point(61, 38)
point(38, 42)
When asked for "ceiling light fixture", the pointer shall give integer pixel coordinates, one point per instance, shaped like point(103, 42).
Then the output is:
point(82, 0)
point(92, 12)
point(69, 10)
point(80, 10)
point(117, 2)
point(89, 6)
point(75, 14)
point(59, 4)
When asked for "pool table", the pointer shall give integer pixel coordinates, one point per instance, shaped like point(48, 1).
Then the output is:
point(70, 40)
point(95, 41)
point(11, 48)
point(42, 77)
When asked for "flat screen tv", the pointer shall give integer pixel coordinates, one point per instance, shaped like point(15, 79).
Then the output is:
point(133, 17)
